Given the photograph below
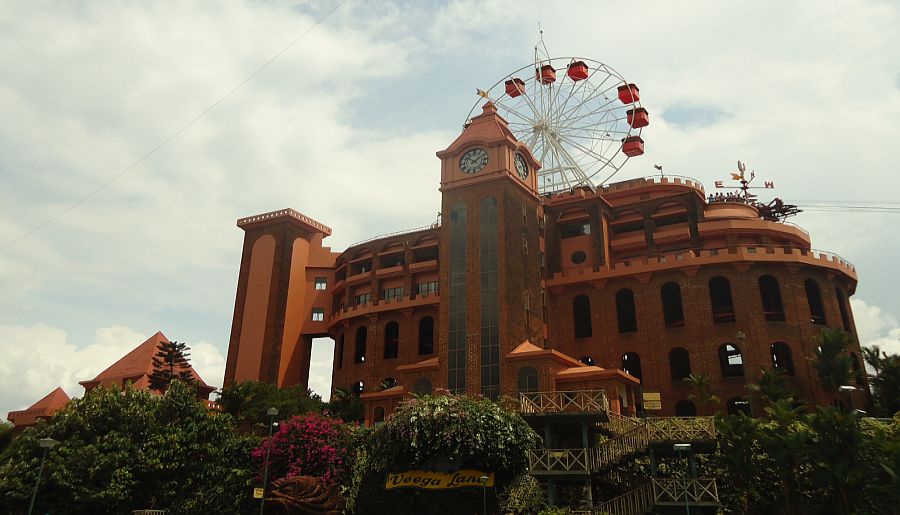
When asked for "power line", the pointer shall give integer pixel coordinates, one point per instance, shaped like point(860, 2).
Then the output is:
point(174, 135)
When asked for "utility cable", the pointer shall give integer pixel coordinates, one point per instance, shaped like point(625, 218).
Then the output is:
point(172, 136)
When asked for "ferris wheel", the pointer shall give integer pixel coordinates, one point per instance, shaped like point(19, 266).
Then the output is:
point(581, 119)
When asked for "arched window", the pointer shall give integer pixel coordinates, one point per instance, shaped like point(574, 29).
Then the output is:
point(426, 336)
point(673, 312)
point(679, 364)
point(720, 298)
point(770, 294)
point(842, 306)
point(340, 351)
point(685, 408)
point(737, 405)
point(581, 313)
point(357, 388)
point(378, 417)
point(359, 356)
point(631, 364)
point(391, 340)
point(422, 386)
point(782, 359)
point(814, 299)
point(731, 361)
point(528, 380)
point(625, 311)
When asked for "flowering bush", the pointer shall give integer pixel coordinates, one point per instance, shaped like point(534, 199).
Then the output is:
point(308, 445)
point(451, 432)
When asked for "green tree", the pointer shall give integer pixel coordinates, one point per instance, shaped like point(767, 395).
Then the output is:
point(833, 364)
point(786, 439)
point(345, 406)
point(6, 432)
point(170, 363)
point(771, 386)
point(249, 401)
point(124, 450)
point(702, 392)
point(885, 382)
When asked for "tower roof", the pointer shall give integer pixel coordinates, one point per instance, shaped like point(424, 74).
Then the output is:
point(488, 127)
point(136, 367)
point(43, 408)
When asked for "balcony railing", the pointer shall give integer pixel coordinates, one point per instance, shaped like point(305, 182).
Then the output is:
point(666, 429)
point(563, 402)
point(560, 460)
point(615, 449)
point(673, 491)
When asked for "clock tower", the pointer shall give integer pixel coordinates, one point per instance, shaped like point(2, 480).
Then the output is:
point(491, 254)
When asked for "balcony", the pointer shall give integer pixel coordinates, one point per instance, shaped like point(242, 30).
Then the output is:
point(545, 403)
point(381, 306)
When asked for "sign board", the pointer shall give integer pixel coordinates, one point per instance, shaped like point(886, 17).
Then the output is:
point(438, 480)
point(258, 493)
point(652, 401)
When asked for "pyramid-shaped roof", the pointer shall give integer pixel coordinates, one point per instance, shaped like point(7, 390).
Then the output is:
point(43, 408)
point(136, 367)
point(488, 127)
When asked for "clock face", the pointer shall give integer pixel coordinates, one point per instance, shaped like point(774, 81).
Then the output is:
point(474, 160)
point(521, 166)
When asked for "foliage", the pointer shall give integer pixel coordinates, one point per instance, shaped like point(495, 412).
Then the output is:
point(833, 364)
point(701, 385)
point(449, 433)
point(885, 381)
point(345, 406)
point(249, 401)
point(772, 386)
point(170, 363)
point(524, 495)
point(308, 445)
point(128, 449)
point(824, 461)
point(6, 432)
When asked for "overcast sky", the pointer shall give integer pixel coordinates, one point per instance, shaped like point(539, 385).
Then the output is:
point(343, 127)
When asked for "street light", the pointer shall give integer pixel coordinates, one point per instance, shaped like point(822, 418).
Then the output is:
point(850, 389)
point(484, 480)
point(46, 444)
point(272, 413)
point(679, 448)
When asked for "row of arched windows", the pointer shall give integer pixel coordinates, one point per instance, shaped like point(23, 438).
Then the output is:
point(731, 362)
point(391, 341)
point(721, 301)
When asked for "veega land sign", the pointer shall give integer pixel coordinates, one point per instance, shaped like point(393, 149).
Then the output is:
point(438, 480)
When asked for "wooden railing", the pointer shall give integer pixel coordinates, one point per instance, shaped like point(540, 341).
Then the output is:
point(618, 424)
point(613, 450)
point(563, 402)
point(667, 492)
point(559, 460)
point(675, 491)
point(633, 502)
point(665, 429)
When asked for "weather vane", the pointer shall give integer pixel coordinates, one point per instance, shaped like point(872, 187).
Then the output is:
point(776, 210)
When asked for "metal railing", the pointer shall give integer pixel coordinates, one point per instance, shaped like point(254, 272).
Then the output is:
point(563, 402)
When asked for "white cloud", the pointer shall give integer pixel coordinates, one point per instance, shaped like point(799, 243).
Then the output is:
point(875, 327)
point(38, 358)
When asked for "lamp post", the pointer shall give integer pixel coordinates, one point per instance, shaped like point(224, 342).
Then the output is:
point(46, 444)
point(850, 389)
point(484, 480)
point(679, 447)
point(272, 413)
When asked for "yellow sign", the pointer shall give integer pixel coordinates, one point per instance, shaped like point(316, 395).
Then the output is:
point(651, 396)
point(258, 493)
point(439, 480)
point(652, 405)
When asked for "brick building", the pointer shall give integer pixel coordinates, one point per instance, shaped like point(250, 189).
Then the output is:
point(628, 288)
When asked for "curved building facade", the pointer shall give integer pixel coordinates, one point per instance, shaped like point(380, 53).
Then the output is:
point(629, 288)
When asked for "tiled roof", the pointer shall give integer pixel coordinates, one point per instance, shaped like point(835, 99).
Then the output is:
point(43, 408)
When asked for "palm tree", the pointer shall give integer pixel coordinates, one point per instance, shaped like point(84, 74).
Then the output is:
point(703, 394)
point(771, 386)
point(833, 364)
